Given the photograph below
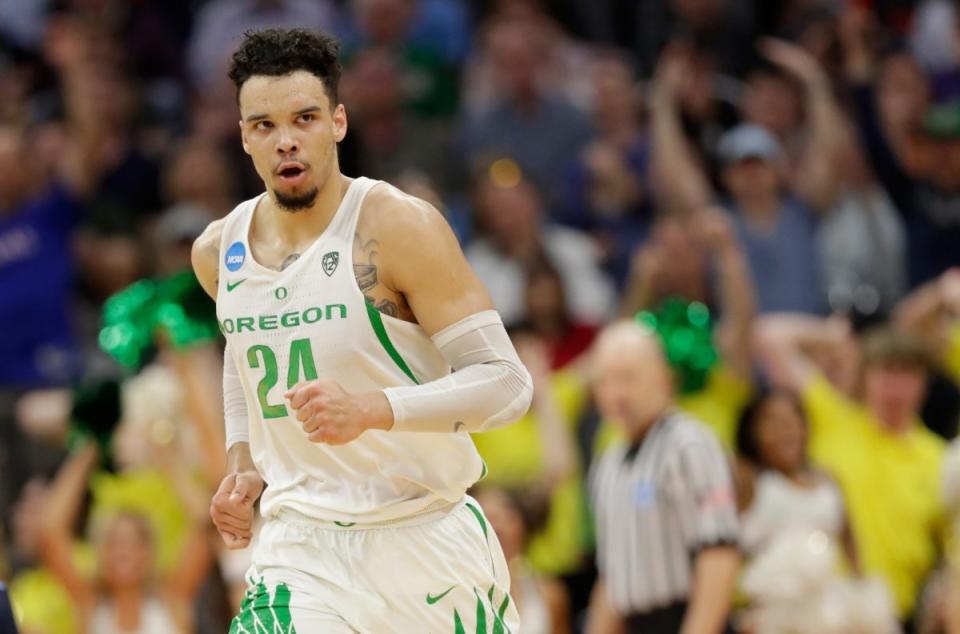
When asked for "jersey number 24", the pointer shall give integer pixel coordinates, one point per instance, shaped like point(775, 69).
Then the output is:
point(301, 362)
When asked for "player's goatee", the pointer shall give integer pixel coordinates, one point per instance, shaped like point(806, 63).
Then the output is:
point(296, 202)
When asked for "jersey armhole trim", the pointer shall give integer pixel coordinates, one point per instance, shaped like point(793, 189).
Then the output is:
point(376, 321)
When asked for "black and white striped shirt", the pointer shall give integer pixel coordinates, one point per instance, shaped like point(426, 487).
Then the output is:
point(656, 506)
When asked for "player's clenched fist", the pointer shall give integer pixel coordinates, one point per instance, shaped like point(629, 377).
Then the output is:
point(232, 507)
point(332, 416)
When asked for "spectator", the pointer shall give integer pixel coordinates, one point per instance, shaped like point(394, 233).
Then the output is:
point(549, 318)
point(663, 501)
point(793, 519)
point(43, 604)
point(425, 70)
point(123, 188)
point(778, 489)
point(220, 23)
point(678, 262)
point(931, 313)
point(564, 71)
point(670, 264)
point(167, 412)
point(38, 217)
point(198, 172)
point(705, 100)
point(541, 601)
point(386, 138)
point(885, 460)
point(515, 236)
point(920, 175)
point(862, 243)
point(607, 193)
point(542, 130)
point(126, 187)
point(772, 100)
point(122, 595)
point(776, 230)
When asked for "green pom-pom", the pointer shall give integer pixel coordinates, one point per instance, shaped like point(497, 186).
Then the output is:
point(685, 330)
point(175, 307)
point(185, 312)
point(127, 331)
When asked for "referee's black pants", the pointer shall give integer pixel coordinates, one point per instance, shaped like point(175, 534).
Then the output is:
point(667, 620)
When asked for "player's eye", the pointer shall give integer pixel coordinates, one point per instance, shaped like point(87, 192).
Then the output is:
point(307, 117)
point(263, 125)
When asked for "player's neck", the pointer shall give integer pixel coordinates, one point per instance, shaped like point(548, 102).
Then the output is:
point(293, 226)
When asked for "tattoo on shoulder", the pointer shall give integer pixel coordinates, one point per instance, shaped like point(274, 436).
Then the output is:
point(364, 267)
point(385, 306)
point(290, 259)
point(365, 272)
point(366, 275)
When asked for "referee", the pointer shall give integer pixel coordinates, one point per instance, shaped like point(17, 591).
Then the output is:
point(664, 503)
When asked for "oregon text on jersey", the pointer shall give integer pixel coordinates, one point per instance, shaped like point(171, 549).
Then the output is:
point(286, 320)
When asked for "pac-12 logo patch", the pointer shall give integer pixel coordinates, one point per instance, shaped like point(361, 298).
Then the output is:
point(235, 256)
point(330, 262)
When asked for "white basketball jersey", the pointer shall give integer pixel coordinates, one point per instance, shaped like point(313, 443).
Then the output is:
point(311, 321)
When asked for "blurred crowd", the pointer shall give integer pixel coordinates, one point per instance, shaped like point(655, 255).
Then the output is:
point(787, 173)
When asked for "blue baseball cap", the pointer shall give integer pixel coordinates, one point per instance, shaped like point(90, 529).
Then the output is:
point(748, 141)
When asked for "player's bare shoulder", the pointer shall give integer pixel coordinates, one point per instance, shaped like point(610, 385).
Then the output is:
point(405, 252)
point(205, 256)
point(392, 231)
point(393, 214)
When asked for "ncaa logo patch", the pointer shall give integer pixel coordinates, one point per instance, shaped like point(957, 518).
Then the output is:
point(330, 261)
point(235, 257)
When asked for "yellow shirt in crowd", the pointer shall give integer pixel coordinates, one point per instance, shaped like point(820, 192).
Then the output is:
point(891, 484)
point(514, 458)
point(39, 601)
point(951, 364)
point(719, 403)
point(41, 604)
point(951, 359)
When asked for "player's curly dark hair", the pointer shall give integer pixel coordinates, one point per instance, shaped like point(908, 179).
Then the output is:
point(277, 52)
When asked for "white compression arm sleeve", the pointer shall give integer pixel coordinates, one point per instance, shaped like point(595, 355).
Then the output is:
point(235, 421)
point(488, 388)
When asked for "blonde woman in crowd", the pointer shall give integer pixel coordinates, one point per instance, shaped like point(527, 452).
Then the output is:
point(125, 594)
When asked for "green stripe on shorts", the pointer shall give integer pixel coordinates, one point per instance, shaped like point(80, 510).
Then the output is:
point(260, 613)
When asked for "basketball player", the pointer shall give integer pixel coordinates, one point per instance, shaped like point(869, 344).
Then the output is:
point(345, 304)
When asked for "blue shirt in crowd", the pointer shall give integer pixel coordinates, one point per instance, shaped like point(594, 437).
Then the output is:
point(37, 348)
point(783, 260)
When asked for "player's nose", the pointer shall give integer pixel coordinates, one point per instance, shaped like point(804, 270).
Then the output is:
point(287, 143)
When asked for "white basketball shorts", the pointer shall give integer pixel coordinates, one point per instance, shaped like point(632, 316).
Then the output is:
point(443, 572)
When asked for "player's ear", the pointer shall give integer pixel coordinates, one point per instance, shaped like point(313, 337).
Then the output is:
point(339, 123)
point(243, 137)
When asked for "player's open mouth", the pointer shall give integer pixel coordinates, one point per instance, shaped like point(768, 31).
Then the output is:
point(291, 173)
